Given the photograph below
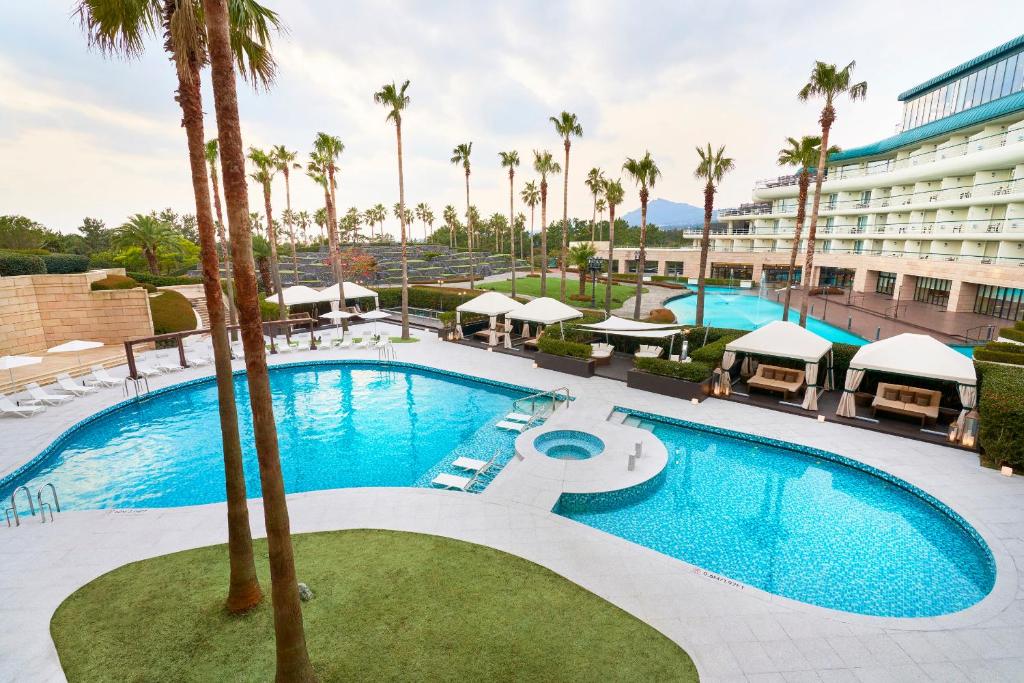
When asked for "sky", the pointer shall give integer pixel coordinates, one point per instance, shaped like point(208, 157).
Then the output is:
point(83, 134)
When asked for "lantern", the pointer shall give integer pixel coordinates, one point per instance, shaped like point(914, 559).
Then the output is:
point(954, 434)
point(716, 382)
point(969, 437)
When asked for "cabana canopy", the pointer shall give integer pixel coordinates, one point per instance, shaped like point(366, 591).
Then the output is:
point(616, 325)
point(782, 338)
point(352, 291)
point(298, 294)
point(916, 355)
point(490, 304)
point(545, 311)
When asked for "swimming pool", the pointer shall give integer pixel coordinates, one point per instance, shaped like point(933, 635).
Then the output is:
point(339, 425)
point(729, 307)
point(796, 522)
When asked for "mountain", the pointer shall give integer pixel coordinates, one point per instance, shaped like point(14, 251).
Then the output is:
point(668, 214)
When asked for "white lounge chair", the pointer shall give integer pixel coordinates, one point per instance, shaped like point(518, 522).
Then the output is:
point(474, 465)
point(645, 351)
point(165, 365)
point(363, 342)
point(40, 395)
point(145, 370)
point(65, 382)
point(345, 343)
point(198, 360)
point(453, 481)
point(102, 378)
point(8, 407)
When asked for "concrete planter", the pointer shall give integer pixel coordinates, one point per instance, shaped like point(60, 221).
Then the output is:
point(567, 364)
point(666, 386)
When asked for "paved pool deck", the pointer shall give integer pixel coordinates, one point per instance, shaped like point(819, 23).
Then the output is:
point(733, 632)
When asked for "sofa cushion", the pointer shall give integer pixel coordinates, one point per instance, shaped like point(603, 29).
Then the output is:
point(923, 399)
point(769, 373)
point(906, 397)
point(890, 394)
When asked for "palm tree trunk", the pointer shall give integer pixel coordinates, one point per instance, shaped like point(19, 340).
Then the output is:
point(151, 260)
point(641, 256)
point(565, 219)
point(611, 255)
point(801, 210)
point(291, 227)
point(282, 310)
point(401, 221)
point(232, 314)
point(705, 243)
point(293, 663)
point(511, 223)
point(593, 221)
point(243, 586)
point(337, 267)
point(827, 115)
point(544, 237)
point(533, 262)
point(469, 237)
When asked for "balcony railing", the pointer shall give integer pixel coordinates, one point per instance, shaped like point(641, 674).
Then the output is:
point(756, 209)
point(889, 253)
point(951, 227)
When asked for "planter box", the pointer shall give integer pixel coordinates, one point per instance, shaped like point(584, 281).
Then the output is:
point(666, 386)
point(567, 364)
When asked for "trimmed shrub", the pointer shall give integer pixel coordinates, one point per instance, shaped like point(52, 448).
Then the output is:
point(114, 282)
point(557, 347)
point(693, 371)
point(65, 263)
point(1016, 333)
point(430, 255)
point(164, 280)
point(427, 297)
point(842, 354)
point(1001, 405)
point(1001, 352)
point(696, 336)
point(269, 310)
point(20, 264)
point(662, 315)
point(713, 352)
point(171, 313)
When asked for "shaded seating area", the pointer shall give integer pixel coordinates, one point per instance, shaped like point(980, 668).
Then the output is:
point(492, 305)
point(920, 357)
point(543, 312)
point(776, 378)
point(624, 327)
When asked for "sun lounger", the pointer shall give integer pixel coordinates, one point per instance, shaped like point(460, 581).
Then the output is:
point(602, 353)
point(8, 407)
point(363, 342)
point(164, 365)
point(453, 481)
point(518, 417)
point(40, 395)
point(345, 343)
point(65, 382)
point(511, 426)
point(102, 378)
point(474, 464)
point(144, 370)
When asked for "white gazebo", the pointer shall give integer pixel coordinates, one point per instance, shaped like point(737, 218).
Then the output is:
point(545, 311)
point(624, 327)
point(914, 355)
point(352, 291)
point(491, 304)
point(299, 294)
point(783, 339)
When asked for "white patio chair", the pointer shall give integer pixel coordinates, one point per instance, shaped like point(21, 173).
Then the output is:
point(65, 382)
point(453, 481)
point(40, 395)
point(102, 378)
point(8, 407)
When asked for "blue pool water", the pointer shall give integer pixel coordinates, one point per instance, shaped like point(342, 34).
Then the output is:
point(568, 444)
point(728, 307)
point(339, 425)
point(797, 525)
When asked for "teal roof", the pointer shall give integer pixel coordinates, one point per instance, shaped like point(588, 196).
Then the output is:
point(968, 117)
point(981, 60)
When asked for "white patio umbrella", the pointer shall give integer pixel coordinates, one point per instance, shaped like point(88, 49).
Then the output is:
point(75, 346)
point(337, 316)
point(8, 363)
point(374, 315)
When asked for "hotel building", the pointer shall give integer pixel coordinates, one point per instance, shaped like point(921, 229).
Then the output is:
point(934, 213)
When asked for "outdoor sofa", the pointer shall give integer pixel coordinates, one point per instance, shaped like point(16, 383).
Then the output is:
point(906, 400)
point(785, 381)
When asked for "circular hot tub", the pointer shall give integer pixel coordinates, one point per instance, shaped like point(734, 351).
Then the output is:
point(568, 444)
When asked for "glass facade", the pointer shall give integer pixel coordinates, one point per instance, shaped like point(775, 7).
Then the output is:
point(886, 283)
point(835, 277)
point(732, 271)
point(780, 273)
point(932, 290)
point(985, 84)
point(1001, 302)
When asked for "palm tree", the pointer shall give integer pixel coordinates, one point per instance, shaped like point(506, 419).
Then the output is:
point(828, 82)
point(460, 157)
point(354, 219)
point(451, 219)
point(519, 227)
point(594, 182)
point(712, 168)
point(428, 218)
point(531, 197)
point(292, 657)
point(613, 194)
point(380, 214)
point(580, 256)
point(601, 206)
point(115, 27)
point(304, 220)
point(567, 127)
point(151, 235)
point(644, 173)
point(285, 162)
point(510, 160)
point(544, 164)
point(261, 256)
point(803, 154)
point(223, 255)
point(324, 162)
point(264, 175)
point(422, 211)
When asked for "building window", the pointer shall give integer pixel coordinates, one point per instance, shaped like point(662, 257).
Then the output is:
point(1001, 302)
point(674, 268)
point(886, 283)
point(1011, 65)
point(831, 201)
point(862, 223)
point(835, 277)
point(932, 290)
point(732, 271)
point(774, 274)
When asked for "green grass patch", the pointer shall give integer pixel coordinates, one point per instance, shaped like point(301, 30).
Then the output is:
point(530, 286)
point(388, 606)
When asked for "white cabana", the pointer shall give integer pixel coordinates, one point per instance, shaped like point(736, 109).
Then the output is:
point(298, 294)
point(784, 339)
point(491, 304)
point(352, 291)
point(614, 324)
point(545, 311)
point(916, 355)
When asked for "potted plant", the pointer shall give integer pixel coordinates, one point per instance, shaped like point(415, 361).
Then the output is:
point(670, 378)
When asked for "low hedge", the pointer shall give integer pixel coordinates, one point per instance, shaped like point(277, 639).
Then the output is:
point(712, 353)
point(1001, 352)
point(269, 310)
point(559, 347)
point(65, 263)
point(695, 337)
point(694, 371)
point(164, 280)
point(447, 298)
point(1015, 333)
point(12, 263)
point(1001, 405)
point(113, 281)
point(171, 313)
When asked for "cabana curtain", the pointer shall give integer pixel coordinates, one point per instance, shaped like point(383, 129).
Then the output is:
point(811, 395)
point(968, 398)
point(728, 359)
point(847, 404)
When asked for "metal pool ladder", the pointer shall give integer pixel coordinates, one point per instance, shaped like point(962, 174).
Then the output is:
point(43, 505)
point(556, 396)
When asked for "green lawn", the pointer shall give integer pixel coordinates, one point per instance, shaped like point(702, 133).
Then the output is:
point(530, 286)
point(388, 606)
